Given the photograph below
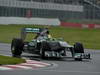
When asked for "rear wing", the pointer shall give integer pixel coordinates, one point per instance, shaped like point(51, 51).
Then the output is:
point(24, 31)
point(31, 30)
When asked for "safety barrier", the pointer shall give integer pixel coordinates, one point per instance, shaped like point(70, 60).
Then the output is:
point(37, 21)
point(78, 25)
point(44, 21)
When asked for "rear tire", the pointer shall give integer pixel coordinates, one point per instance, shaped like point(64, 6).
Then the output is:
point(16, 47)
point(42, 50)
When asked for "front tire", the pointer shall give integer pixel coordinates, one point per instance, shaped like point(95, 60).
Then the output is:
point(16, 47)
point(78, 59)
point(78, 48)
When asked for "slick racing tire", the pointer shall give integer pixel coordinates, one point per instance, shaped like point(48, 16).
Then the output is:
point(78, 48)
point(16, 47)
point(78, 59)
point(42, 50)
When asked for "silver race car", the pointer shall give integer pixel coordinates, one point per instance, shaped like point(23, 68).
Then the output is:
point(46, 46)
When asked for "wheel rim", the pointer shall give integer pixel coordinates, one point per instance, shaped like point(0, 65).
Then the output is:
point(13, 49)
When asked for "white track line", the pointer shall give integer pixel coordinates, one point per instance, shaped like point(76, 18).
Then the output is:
point(36, 65)
point(5, 68)
point(36, 62)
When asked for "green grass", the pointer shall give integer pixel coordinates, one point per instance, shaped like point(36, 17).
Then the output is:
point(89, 37)
point(4, 60)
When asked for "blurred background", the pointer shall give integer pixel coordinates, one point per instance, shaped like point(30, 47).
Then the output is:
point(70, 13)
point(79, 11)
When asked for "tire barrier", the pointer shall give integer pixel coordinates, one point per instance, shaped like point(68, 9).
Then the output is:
point(78, 25)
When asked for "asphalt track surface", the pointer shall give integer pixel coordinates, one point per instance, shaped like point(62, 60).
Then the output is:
point(65, 66)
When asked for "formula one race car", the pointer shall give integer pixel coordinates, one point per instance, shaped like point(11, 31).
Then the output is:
point(46, 46)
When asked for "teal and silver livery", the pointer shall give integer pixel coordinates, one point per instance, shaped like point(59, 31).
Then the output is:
point(32, 30)
point(46, 46)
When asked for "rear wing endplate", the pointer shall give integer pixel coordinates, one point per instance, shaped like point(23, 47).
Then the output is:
point(31, 30)
point(24, 31)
